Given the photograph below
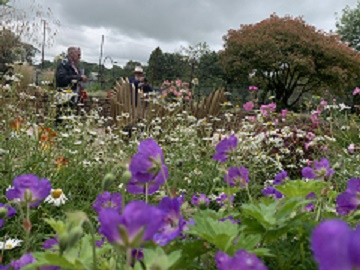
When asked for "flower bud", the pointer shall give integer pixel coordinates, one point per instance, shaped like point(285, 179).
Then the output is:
point(108, 179)
point(126, 176)
point(3, 212)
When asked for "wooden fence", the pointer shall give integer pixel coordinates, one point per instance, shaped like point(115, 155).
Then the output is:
point(127, 108)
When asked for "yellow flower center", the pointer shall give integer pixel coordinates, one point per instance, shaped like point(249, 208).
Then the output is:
point(56, 193)
point(9, 246)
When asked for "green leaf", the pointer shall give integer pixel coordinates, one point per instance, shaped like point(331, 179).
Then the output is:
point(158, 259)
point(189, 252)
point(299, 188)
point(58, 226)
point(220, 234)
point(77, 218)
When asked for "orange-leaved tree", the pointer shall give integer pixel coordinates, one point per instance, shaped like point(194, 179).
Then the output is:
point(289, 57)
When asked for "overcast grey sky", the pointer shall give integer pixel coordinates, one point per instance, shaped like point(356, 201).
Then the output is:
point(133, 28)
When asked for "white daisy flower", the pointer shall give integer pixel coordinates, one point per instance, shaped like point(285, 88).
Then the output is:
point(56, 197)
point(10, 244)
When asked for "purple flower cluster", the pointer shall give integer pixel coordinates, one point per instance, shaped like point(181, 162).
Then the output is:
point(350, 199)
point(10, 212)
point(321, 170)
point(30, 189)
point(224, 148)
point(148, 169)
point(336, 246)
point(242, 260)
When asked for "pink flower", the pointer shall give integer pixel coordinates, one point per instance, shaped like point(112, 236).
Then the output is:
point(252, 119)
point(323, 103)
point(248, 106)
point(310, 136)
point(351, 148)
point(253, 88)
point(178, 83)
point(272, 106)
point(284, 113)
point(187, 98)
point(356, 91)
point(265, 109)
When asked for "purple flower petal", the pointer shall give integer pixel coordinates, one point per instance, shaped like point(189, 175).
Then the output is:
point(354, 247)
point(308, 172)
point(354, 185)
point(237, 176)
point(172, 223)
point(108, 200)
point(24, 260)
point(242, 260)
point(329, 243)
point(346, 202)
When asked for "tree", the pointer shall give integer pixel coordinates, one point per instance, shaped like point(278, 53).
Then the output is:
point(348, 26)
point(209, 71)
point(288, 58)
point(130, 67)
point(193, 53)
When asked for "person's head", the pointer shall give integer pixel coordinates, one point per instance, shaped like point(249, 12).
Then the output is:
point(138, 73)
point(74, 54)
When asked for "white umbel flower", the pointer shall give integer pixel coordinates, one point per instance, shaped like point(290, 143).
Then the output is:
point(56, 197)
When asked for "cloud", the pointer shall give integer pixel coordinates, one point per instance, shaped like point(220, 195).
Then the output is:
point(134, 28)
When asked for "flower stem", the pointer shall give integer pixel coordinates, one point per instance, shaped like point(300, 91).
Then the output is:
point(248, 192)
point(92, 232)
point(146, 192)
point(128, 258)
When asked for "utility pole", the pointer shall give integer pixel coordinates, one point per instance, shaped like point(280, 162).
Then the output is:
point(101, 54)
point(154, 68)
point(43, 45)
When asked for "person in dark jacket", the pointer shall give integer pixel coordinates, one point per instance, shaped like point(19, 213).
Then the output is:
point(140, 83)
point(68, 76)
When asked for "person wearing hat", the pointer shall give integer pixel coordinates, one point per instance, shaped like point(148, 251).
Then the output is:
point(140, 83)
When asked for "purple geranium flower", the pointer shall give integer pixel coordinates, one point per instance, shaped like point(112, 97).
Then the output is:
point(138, 217)
point(335, 246)
point(224, 147)
point(29, 188)
point(237, 176)
point(200, 200)
point(10, 212)
point(172, 223)
point(310, 207)
point(20, 263)
point(137, 255)
point(321, 170)
point(108, 200)
point(50, 243)
point(280, 177)
point(242, 260)
point(271, 191)
point(147, 167)
point(223, 198)
point(350, 199)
